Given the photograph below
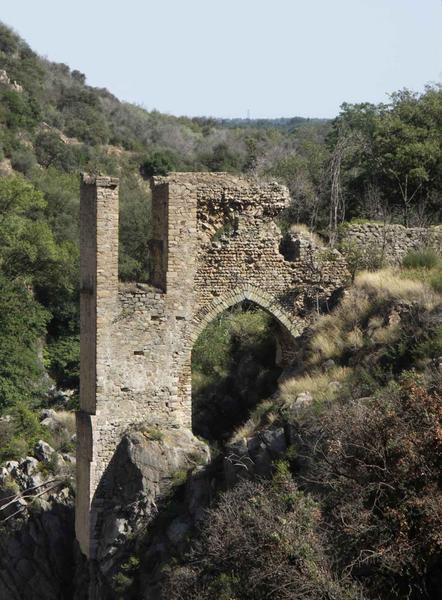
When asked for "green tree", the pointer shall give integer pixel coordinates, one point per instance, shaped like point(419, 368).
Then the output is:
point(159, 162)
point(395, 161)
point(22, 324)
point(19, 110)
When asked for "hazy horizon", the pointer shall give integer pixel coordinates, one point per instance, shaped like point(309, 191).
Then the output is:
point(278, 59)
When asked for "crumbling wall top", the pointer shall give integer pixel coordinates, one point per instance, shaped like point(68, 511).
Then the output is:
point(221, 197)
point(99, 180)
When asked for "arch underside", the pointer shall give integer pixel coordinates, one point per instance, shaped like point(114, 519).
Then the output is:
point(241, 293)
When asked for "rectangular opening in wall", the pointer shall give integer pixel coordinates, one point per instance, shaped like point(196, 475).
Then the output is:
point(139, 352)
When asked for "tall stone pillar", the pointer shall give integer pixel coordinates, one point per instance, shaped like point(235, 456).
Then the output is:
point(174, 230)
point(98, 303)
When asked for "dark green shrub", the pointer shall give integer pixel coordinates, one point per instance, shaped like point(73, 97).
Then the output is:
point(123, 581)
point(159, 162)
point(63, 361)
point(20, 110)
point(224, 158)
point(52, 151)
point(20, 434)
point(23, 160)
point(22, 323)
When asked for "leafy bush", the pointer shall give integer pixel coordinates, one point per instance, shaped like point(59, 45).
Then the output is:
point(368, 257)
point(20, 434)
point(19, 110)
point(22, 323)
point(261, 541)
point(23, 160)
point(224, 158)
point(52, 151)
point(123, 581)
point(159, 162)
point(378, 462)
point(63, 361)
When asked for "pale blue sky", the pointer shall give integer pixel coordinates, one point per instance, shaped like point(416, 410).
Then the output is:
point(223, 58)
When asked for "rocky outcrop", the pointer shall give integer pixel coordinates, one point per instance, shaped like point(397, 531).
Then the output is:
point(6, 81)
point(159, 487)
point(36, 527)
point(147, 465)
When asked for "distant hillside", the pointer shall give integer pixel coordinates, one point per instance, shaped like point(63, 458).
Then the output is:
point(288, 124)
point(53, 94)
point(376, 162)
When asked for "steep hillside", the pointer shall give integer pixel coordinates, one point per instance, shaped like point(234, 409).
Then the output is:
point(328, 487)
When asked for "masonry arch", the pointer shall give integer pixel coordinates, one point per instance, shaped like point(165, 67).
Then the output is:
point(242, 293)
point(236, 362)
point(284, 332)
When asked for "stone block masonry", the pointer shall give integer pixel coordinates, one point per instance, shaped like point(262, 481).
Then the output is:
point(391, 243)
point(215, 244)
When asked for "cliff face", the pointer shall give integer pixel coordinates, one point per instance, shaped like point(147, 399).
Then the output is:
point(37, 550)
point(39, 557)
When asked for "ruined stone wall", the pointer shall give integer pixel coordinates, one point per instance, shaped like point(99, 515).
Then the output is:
point(392, 242)
point(215, 244)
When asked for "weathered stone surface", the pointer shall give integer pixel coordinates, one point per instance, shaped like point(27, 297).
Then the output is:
point(37, 534)
point(392, 242)
point(144, 470)
point(6, 82)
point(43, 451)
point(215, 244)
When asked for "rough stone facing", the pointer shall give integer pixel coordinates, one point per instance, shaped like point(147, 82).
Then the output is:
point(214, 245)
point(392, 242)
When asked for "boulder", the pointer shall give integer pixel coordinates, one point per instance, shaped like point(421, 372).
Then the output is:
point(148, 467)
point(43, 451)
point(275, 440)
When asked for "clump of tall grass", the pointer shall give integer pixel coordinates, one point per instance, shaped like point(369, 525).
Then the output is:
point(426, 266)
point(356, 320)
point(263, 414)
point(426, 259)
point(388, 285)
point(436, 281)
point(305, 231)
point(317, 383)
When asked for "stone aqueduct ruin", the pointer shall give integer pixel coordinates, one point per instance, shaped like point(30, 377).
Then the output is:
point(215, 244)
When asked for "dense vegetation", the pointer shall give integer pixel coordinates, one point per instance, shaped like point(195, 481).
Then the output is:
point(371, 427)
point(364, 411)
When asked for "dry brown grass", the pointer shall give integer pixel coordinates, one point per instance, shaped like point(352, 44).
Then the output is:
point(305, 231)
point(316, 383)
point(263, 413)
point(389, 284)
point(342, 329)
point(63, 431)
